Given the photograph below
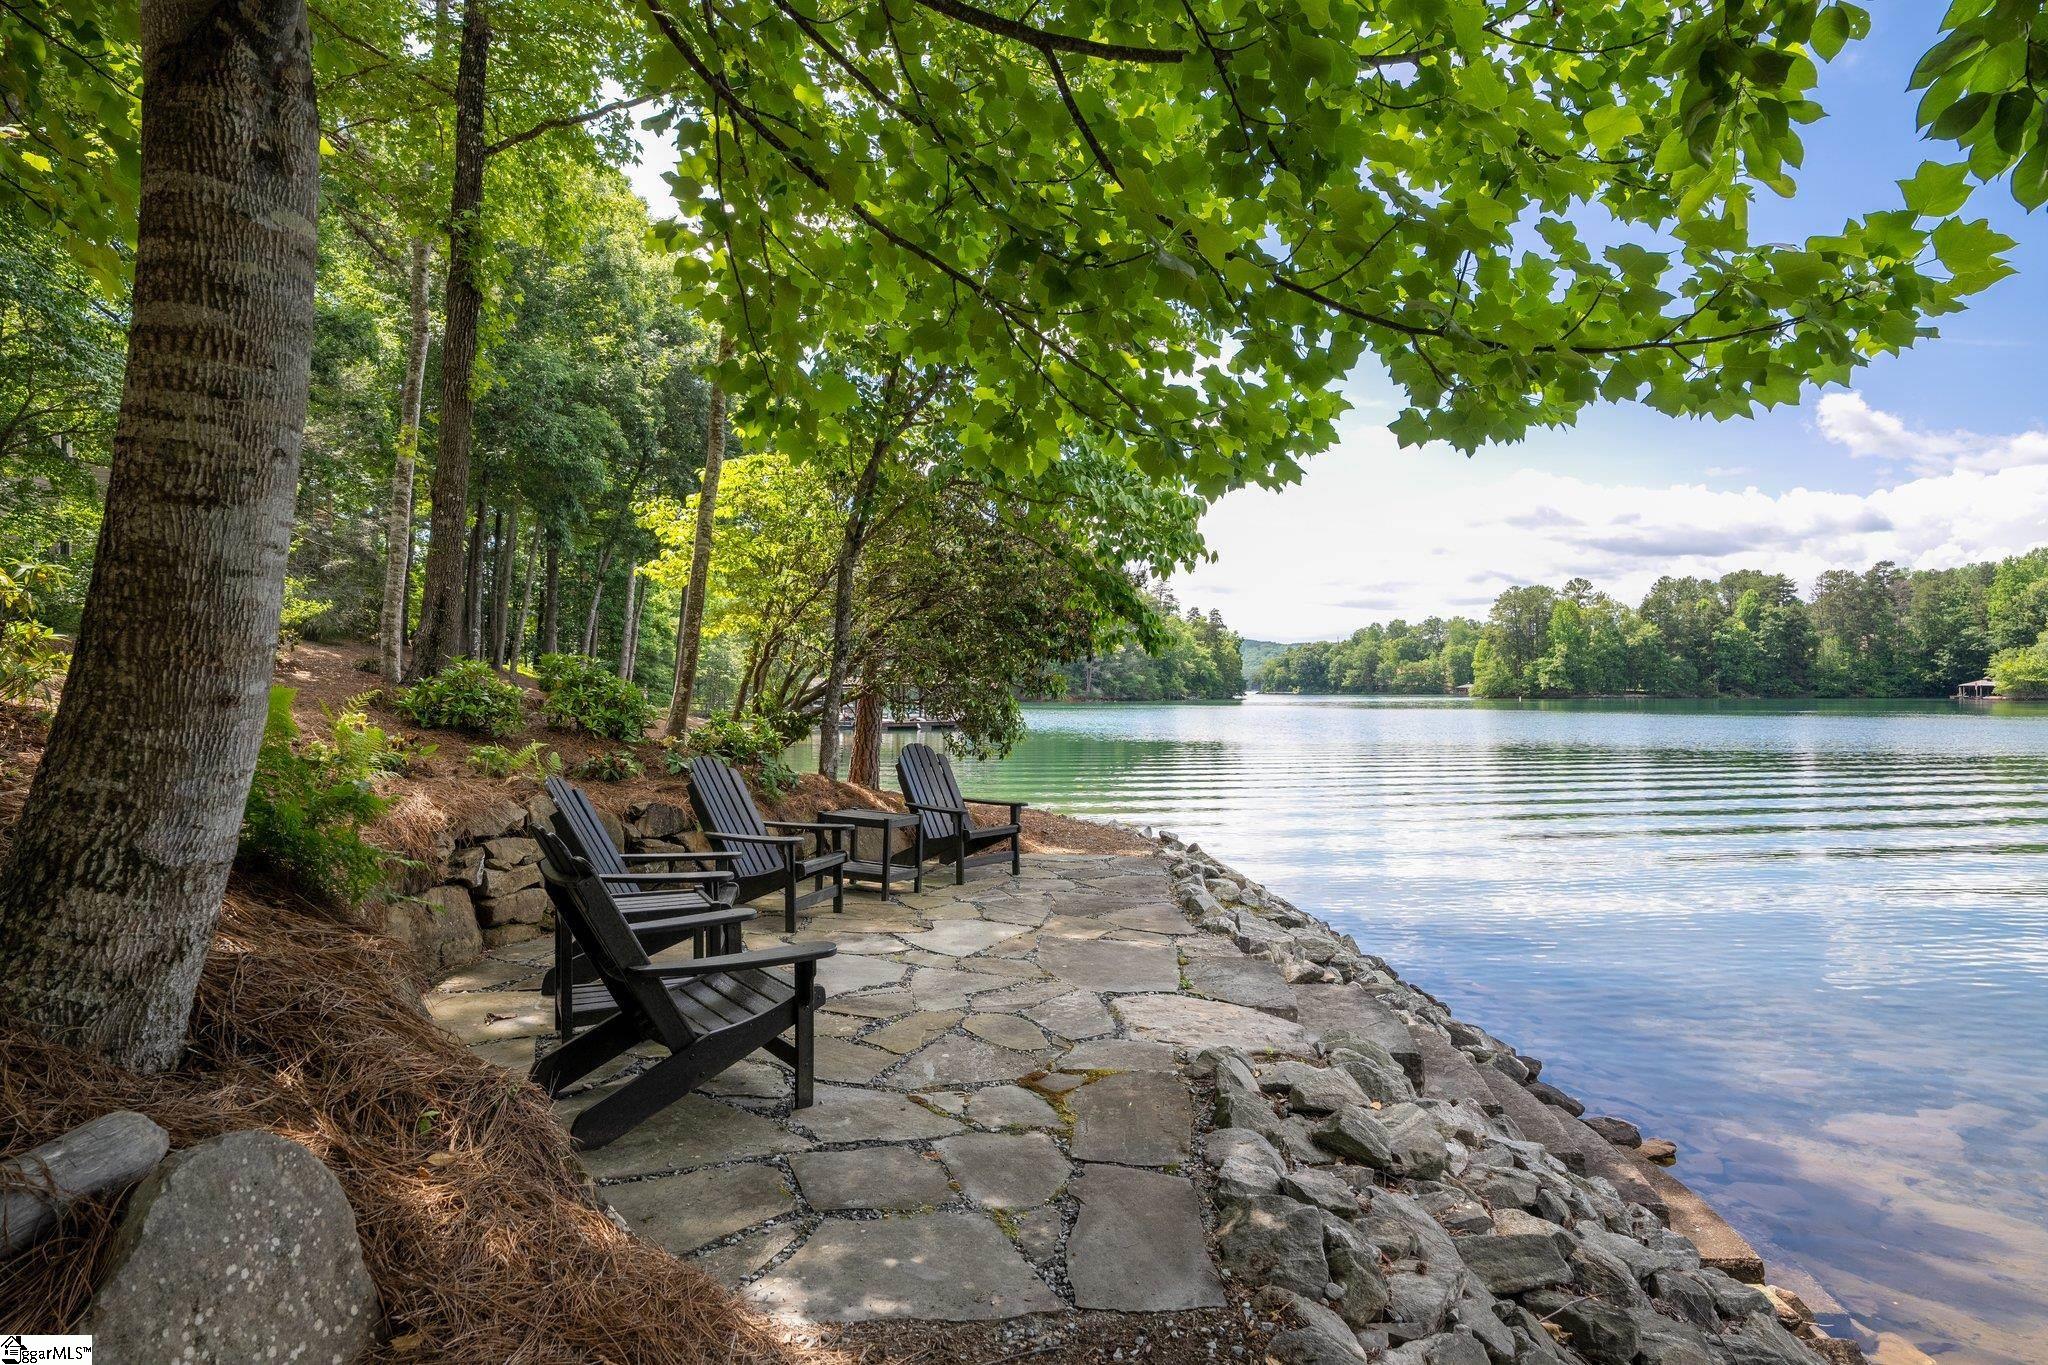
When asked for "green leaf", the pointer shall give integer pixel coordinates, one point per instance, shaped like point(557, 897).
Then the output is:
point(1611, 125)
point(1936, 190)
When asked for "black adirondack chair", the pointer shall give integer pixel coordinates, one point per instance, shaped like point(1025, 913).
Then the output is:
point(663, 908)
point(951, 833)
point(768, 862)
point(708, 1012)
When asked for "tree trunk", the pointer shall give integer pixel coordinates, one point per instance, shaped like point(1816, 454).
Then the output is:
point(473, 584)
point(604, 566)
point(440, 631)
point(398, 516)
point(516, 649)
point(690, 618)
point(629, 644)
point(551, 598)
point(109, 898)
point(851, 541)
point(501, 581)
point(864, 765)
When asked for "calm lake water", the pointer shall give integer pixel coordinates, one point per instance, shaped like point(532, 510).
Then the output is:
point(1808, 942)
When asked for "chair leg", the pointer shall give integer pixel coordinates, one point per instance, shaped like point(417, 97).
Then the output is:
point(839, 889)
point(789, 903)
point(584, 1053)
point(1016, 855)
point(806, 1037)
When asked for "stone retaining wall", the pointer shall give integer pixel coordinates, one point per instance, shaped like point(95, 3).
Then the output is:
point(1419, 1196)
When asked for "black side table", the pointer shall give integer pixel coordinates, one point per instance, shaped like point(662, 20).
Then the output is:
point(885, 823)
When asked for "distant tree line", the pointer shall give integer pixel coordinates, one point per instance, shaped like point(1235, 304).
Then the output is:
point(1884, 632)
point(1188, 657)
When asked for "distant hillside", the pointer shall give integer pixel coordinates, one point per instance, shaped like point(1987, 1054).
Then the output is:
point(1255, 653)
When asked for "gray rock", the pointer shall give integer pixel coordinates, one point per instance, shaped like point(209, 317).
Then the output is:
point(530, 906)
point(1190, 1022)
point(1077, 1014)
point(685, 1212)
point(1620, 1132)
point(1355, 1268)
point(1246, 1164)
point(851, 1114)
point(1641, 1260)
point(1005, 1170)
point(1274, 1240)
point(1320, 1337)
point(659, 820)
point(503, 881)
point(1557, 1099)
point(1134, 1118)
point(951, 1266)
point(1734, 1298)
point(1514, 1263)
point(1096, 964)
point(231, 1246)
point(956, 1060)
point(1417, 1142)
point(1373, 1069)
point(511, 852)
point(1401, 1227)
point(1668, 1343)
point(1311, 1089)
point(1687, 1295)
point(1479, 1313)
point(870, 1178)
point(1324, 1190)
point(734, 1261)
point(1119, 1054)
point(1421, 1296)
point(1138, 1246)
point(1602, 1334)
point(1606, 1278)
point(1010, 1106)
point(1761, 1341)
point(439, 928)
point(1353, 1133)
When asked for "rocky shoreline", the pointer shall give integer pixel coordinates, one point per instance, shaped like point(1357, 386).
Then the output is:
point(1418, 1195)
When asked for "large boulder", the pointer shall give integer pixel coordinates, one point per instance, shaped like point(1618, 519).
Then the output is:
point(230, 1248)
point(438, 928)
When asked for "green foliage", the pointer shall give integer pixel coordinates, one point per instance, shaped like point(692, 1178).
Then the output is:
point(309, 805)
point(529, 760)
point(1884, 632)
point(1517, 210)
point(1191, 657)
point(2022, 673)
point(611, 765)
point(583, 694)
point(356, 743)
point(753, 742)
point(31, 658)
point(468, 696)
point(1981, 83)
point(298, 613)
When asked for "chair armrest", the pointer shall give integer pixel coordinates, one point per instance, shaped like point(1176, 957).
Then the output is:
point(663, 878)
point(819, 830)
point(677, 857)
point(710, 919)
point(937, 810)
point(783, 840)
point(992, 801)
point(733, 962)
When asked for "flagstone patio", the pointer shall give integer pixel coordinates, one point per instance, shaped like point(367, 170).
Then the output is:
point(1001, 1127)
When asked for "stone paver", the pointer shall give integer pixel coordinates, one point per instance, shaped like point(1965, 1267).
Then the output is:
point(1105, 965)
point(1139, 1118)
point(1076, 1015)
point(954, 1060)
point(1010, 1106)
point(852, 1114)
point(1005, 1170)
point(1007, 1030)
point(684, 1212)
point(1192, 1023)
point(1248, 981)
point(956, 1267)
point(1038, 1020)
point(1138, 1245)
point(870, 1178)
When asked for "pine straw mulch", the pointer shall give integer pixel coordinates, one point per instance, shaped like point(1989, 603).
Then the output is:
point(471, 1210)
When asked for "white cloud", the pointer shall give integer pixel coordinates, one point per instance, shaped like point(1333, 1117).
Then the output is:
point(1374, 532)
point(1871, 433)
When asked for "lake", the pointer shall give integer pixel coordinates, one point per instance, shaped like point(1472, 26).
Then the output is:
point(1806, 941)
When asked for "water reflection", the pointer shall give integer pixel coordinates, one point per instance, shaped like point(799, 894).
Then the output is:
point(1807, 941)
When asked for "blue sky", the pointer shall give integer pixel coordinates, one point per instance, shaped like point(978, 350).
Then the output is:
point(1934, 458)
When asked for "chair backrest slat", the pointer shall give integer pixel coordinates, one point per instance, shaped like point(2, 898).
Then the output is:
point(593, 917)
point(927, 778)
point(577, 821)
point(723, 803)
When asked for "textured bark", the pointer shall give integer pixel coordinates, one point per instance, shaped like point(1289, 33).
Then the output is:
point(690, 617)
point(852, 539)
point(864, 764)
point(398, 516)
point(473, 584)
point(109, 898)
point(629, 642)
point(440, 633)
point(551, 598)
point(604, 566)
point(501, 581)
point(515, 649)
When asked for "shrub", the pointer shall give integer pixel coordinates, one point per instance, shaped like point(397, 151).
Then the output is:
point(2022, 673)
point(495, 760)
point(753, 742)
point(31, 660)
point(357, 742)
point(297, 614)
point(308, 806)
point(582, 694)
point(611, 765)
point(466, 695)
